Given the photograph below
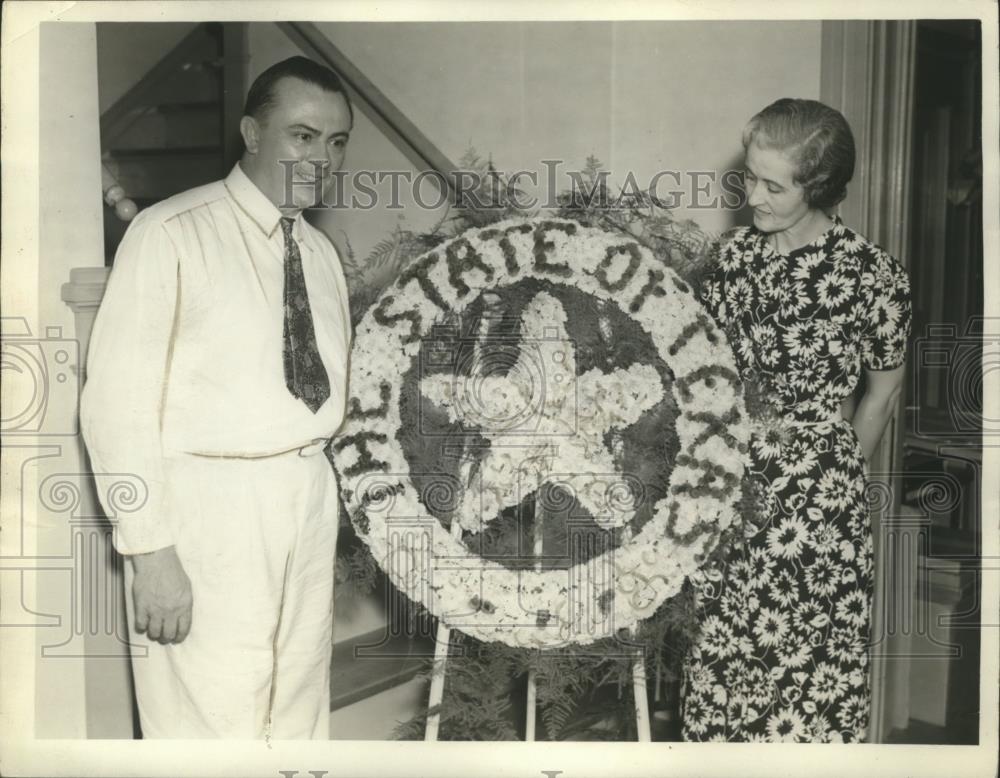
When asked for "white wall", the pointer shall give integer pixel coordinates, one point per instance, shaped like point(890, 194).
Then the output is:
point(641, 96)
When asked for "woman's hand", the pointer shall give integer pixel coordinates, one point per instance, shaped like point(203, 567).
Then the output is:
point(882, 388)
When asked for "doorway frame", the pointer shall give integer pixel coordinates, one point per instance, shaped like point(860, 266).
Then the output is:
point(867, 71)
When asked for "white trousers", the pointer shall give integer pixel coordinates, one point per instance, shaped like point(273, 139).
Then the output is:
point(257, 539)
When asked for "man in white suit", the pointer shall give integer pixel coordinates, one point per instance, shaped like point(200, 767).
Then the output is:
point(217, 372)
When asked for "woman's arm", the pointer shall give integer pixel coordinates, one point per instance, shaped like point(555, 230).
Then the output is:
point(876, 405)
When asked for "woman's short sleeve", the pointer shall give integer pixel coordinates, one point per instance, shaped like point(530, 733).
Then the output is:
point(887, 313)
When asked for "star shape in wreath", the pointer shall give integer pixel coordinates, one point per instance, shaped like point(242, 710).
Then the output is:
point(545, 423)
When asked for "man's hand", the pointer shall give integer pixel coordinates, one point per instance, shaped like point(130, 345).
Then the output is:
point(161, 592)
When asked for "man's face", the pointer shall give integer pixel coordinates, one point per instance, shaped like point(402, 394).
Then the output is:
point(306, 129)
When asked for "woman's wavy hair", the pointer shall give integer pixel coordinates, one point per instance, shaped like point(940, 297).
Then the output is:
point(818, 140)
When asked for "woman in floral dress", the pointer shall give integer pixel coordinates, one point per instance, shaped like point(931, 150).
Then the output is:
point(809, 305)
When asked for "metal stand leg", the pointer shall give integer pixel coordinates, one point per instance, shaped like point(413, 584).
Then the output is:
point(529, 725)
point(642, 725)
point(641, 702)
point(441, 645)
point(437, 681)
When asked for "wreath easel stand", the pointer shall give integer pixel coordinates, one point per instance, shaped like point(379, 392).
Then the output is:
point(443, 642)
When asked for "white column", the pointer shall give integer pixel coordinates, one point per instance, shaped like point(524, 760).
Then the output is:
point(55, 553)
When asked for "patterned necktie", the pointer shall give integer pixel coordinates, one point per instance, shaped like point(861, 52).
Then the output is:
point(305, 375)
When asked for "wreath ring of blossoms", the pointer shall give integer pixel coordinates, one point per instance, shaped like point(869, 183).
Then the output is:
point(541, 608)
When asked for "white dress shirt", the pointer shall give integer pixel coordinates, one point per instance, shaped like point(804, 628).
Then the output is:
point(186, 351)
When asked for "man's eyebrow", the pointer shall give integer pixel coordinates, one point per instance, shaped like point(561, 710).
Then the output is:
point(305, 127)
point(314, 131)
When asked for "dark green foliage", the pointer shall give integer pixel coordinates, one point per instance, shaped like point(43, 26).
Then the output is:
point(583, 692)
point(356, 572)
point(640, 215)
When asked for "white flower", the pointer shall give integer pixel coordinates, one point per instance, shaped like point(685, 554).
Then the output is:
point(850, 242)
point(853, 608)
point(734, 673)
point(798, 457)
point(820, 729)
point(770, 627)
point(785, 589)
point(759, 688)
point(761, 563)
point(801, 339)
point(794, 652)
point(845, 449)
point(830, 328)
point(716, 637)
point(807, 374)
point(827, 683)
point(806, 263)
point(859, 524)
point(852, 713)
point(823, 576)
point(833, 289)
point(765, 338)
point(734, 607)
point(787, 538)
point(835, 490)
point(701, 679)
point(739, 296)
point(809, 616)
point(731, 259)
point(697, 716)
point(792, 298)
point(786, 726)
point(767, 445)
point(744, 646)
point(825, 539)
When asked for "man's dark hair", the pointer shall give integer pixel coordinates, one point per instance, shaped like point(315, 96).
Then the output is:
point(261, 97)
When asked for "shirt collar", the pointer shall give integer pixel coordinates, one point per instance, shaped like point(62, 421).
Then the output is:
point(255, 204)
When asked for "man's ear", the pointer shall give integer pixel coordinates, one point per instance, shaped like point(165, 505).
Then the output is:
point(250, 130)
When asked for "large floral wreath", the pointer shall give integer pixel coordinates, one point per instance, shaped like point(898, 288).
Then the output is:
point(462, 413)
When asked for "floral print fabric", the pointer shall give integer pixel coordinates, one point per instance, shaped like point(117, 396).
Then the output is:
point(782, 655)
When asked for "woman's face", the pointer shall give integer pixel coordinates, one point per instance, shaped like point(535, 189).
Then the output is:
point(778, 203)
